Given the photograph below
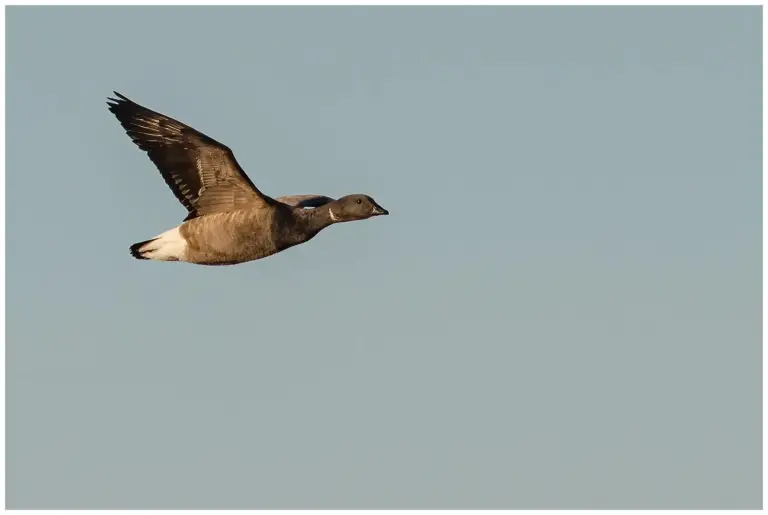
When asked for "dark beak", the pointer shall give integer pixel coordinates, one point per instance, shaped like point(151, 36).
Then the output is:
point(378, 210)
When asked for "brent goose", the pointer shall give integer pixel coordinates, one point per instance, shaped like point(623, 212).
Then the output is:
point(230, 221)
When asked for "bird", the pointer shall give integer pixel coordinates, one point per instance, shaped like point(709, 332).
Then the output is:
point(229, 220)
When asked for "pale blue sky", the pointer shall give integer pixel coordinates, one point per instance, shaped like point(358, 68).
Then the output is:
point(562, 311)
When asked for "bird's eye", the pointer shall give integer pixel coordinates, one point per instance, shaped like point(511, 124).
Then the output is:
point(359, 201)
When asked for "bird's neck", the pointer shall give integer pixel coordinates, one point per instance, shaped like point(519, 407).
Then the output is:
point(319, 218)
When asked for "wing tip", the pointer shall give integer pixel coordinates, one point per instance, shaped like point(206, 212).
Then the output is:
point(120, 100)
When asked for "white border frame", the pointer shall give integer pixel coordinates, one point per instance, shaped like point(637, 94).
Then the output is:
point(337, 2)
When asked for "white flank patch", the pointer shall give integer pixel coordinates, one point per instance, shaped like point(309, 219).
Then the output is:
point(169, 246)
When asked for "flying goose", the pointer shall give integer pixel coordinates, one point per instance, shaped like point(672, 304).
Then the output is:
point(230, 221)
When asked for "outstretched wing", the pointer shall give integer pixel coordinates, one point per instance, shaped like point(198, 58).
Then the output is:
point(201, 172)
point(305, 200)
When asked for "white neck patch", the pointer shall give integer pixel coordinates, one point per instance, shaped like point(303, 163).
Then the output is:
point(333, 217)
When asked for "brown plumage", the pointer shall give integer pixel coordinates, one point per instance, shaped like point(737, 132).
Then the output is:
point(229, 220)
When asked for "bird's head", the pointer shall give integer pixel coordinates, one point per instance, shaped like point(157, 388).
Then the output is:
point(355, 207)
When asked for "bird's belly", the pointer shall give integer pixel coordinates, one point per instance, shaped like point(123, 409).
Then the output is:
point(211, 242)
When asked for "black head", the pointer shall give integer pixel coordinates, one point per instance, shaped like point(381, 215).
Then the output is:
point(355, 207)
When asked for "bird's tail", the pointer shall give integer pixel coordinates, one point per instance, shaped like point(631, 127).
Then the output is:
point(169, 246)
point(136, 249)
